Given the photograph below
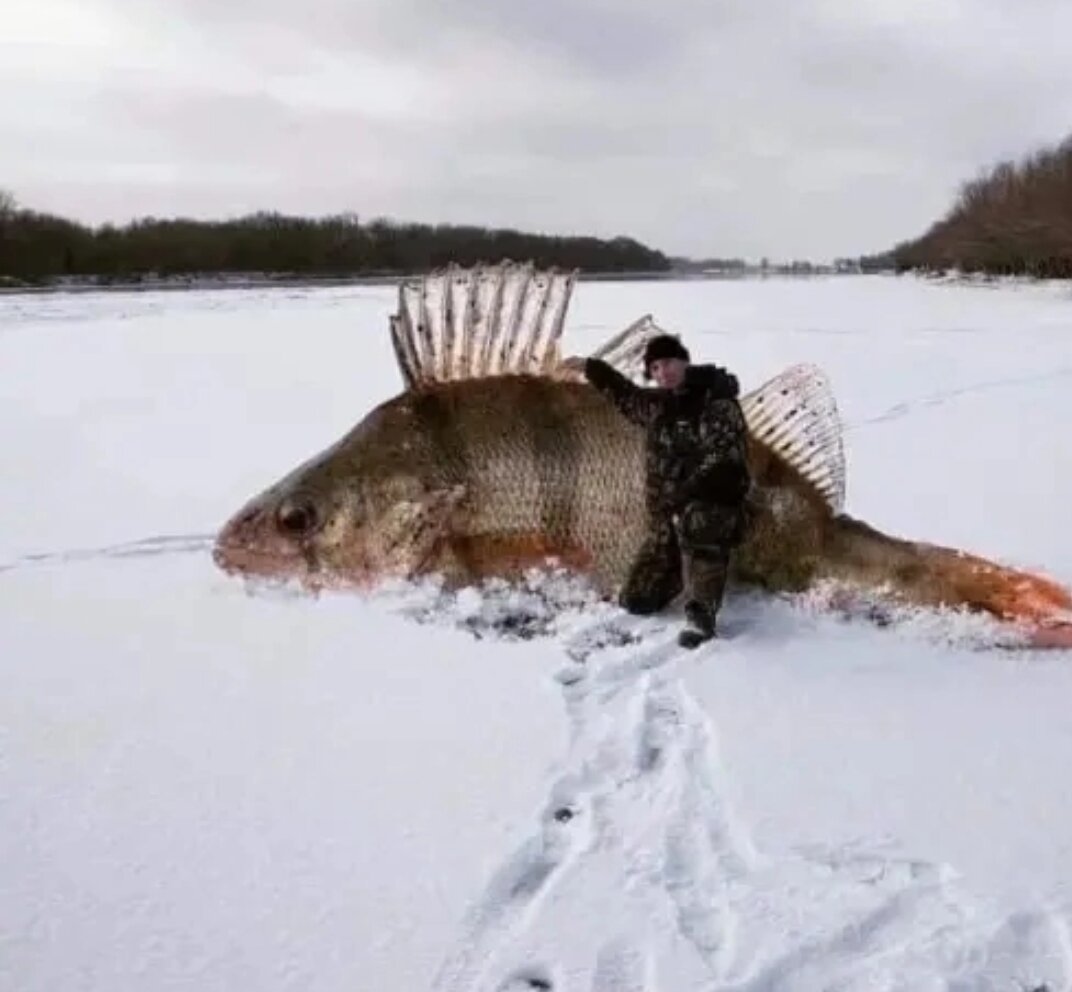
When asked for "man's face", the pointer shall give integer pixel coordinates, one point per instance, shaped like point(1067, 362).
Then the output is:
point(668, 373)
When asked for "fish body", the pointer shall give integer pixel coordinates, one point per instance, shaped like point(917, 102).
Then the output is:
point(494, 460)
point(501, 473)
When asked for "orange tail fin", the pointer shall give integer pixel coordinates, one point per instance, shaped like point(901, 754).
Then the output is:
point(929, 575)
point(1037, 605)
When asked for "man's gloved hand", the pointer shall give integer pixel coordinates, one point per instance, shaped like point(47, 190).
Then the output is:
point(571, 368)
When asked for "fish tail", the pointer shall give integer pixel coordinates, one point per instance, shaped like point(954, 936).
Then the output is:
point(930, 575)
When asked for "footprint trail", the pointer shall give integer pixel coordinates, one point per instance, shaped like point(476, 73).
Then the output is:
point(639, 876)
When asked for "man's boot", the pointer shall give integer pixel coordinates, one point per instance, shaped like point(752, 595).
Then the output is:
point(699, 625)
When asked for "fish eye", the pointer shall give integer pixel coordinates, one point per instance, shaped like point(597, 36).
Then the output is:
point(297, 517)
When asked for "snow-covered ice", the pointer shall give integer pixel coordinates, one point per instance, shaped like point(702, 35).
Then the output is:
point(213, 787)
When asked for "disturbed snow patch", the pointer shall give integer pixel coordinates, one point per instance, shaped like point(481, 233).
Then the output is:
point(544, 604)
point(557, 604)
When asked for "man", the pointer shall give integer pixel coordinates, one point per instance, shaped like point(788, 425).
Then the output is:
point(696, 480)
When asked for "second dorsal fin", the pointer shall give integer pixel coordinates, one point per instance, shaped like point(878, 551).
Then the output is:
point(795, 415)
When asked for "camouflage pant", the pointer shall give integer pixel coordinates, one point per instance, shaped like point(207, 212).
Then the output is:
point(690, 553)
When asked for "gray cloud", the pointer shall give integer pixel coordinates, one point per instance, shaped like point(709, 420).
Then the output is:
point(777, 128)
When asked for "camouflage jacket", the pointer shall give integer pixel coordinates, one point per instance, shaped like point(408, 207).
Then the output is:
point(697, 440)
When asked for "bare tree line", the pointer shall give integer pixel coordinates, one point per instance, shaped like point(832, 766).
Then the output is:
point(1014, 219)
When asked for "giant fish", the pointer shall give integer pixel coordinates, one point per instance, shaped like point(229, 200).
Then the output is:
point(497, 458)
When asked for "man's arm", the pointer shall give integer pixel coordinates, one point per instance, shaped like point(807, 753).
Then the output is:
point(631, 400)
point(722, 475)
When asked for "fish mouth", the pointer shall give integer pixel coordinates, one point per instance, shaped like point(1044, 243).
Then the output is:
point(249, 544)
point(269, 566)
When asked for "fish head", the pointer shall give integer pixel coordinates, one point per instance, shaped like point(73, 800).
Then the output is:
point(337, 519)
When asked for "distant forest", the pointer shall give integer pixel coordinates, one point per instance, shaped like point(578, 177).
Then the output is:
point(37, 247)
point(1014, 219)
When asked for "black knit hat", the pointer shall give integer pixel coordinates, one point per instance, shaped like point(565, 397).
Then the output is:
point(663, 346)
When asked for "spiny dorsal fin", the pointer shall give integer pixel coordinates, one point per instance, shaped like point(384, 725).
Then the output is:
point(470, 323)
point(794, 414)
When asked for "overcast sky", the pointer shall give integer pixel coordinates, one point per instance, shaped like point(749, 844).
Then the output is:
point(788, 128)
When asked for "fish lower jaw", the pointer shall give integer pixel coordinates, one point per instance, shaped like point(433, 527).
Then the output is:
point(261, 567)
point(240, 560)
